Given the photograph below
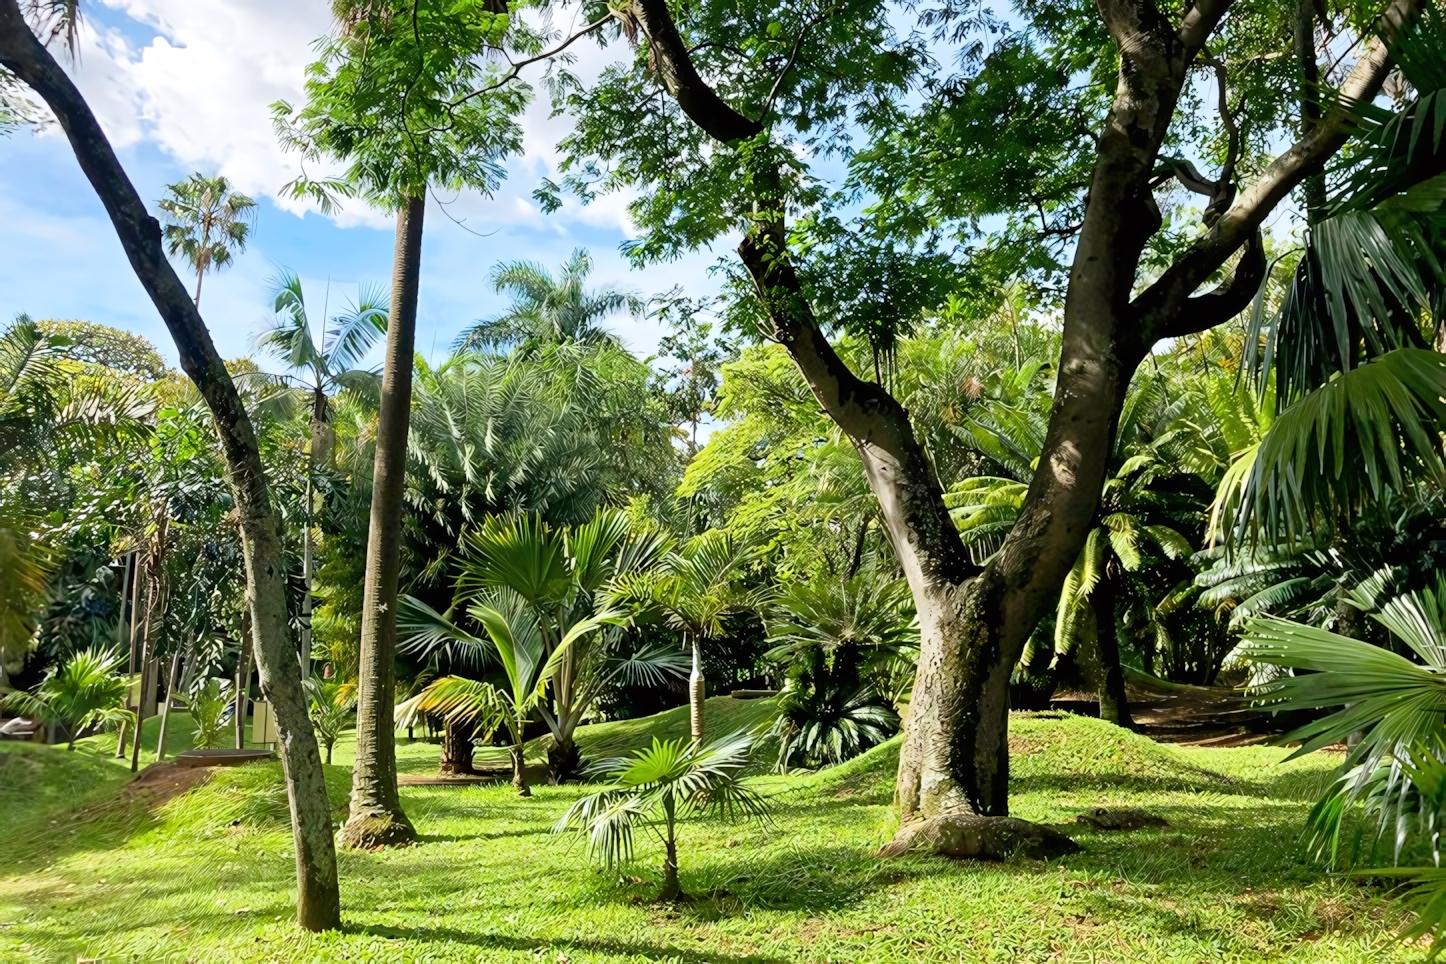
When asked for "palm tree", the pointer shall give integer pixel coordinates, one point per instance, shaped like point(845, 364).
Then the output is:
point(529, 665)
point(559, 574)
point(320, 370)
point(848, 650)
point(207, 703)
point(86, 692)
point(547, 310)
point(694, 589)
point(333, 709)
point(327, 370)
point(1359, 393)
point(205, 222)
point(658, 786)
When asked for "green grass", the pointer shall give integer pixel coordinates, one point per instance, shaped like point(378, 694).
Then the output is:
point(209, 876)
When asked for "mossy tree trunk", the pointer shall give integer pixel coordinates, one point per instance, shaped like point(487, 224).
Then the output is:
point(318, 899)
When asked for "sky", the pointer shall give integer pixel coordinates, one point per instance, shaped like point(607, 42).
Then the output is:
point(185, 85)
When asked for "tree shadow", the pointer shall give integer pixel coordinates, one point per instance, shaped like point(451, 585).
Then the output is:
point(547, 947)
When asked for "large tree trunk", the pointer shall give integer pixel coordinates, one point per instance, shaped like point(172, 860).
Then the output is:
point(376, 811)
point(318, 901)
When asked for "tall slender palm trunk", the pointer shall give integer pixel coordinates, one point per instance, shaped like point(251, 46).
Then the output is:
point(376, 811)
point(318, 899)
point(697, 691)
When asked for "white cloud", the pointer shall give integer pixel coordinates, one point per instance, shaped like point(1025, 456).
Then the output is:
point(200, 86)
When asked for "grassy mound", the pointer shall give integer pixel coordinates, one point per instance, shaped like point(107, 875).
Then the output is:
point(38, 779)
point(489, 882)
point(721, 715)
point(1060, 751)
point(252, 796)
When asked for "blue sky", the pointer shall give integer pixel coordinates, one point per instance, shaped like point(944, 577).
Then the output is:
point(184, 85)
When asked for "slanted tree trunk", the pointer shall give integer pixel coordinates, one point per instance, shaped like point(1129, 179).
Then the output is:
point(697, 691)
point(123, 633)
point(1114, 703)
point(243, 681)
point(318, 900)
point(376, 811)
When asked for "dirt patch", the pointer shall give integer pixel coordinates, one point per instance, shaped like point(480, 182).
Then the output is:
point(161, 782)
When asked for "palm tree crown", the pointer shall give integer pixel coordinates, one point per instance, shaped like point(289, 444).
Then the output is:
point(205, 222)
point(330, 366)
point(547, 310)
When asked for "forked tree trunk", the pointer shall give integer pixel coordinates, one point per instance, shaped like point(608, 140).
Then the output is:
point(376, 811)
point(955, 756)
point(318, 901)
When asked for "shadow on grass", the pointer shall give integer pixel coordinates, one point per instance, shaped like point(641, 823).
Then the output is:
point(1081, 783)
point(544, 948)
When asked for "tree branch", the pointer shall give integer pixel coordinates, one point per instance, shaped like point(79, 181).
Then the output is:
point(670, 58)
point(1200, 22)
point(1157, 303)
point(1228, 299)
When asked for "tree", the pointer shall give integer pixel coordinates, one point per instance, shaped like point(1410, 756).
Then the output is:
point(717, 156)
point(547, 310)
point(329, 366)
point(561, 576)
point(398, 95)
point(205, 222)
point(207, 703)
point(86, 692)
point(318, 900)
point(666, 782)
point(840, 646)
point(329, 370)
point(333, 709)
point(530, 662)
point(694, 588)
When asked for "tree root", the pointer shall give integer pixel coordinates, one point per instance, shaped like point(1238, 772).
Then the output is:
point(1101, 818)
point(968, 836)
point(376, 830)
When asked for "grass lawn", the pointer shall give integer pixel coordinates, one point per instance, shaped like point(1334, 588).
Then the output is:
point(90, 872)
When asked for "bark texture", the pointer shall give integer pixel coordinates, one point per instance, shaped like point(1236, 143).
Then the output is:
point(318, 900)
point(376, 817)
